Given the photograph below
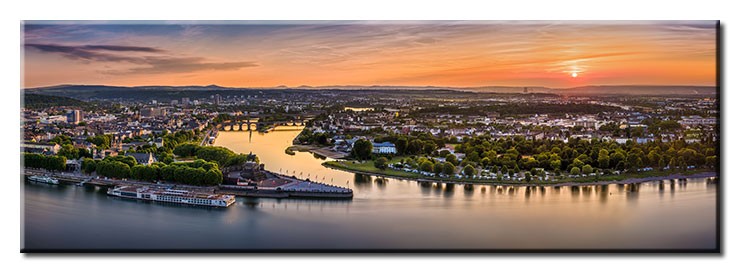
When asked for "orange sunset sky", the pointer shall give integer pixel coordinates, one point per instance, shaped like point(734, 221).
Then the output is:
point(439, 53)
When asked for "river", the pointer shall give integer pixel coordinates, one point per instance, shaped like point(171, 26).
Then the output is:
point(389, 214)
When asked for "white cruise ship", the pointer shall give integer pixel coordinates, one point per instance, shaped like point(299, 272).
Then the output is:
point(43, 179)
point(163, 194)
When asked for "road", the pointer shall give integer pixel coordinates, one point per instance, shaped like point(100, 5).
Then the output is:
point(208, 134)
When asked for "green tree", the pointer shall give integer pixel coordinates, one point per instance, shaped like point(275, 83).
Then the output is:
point(575, 171)
point(137, 172)
point(587, 169)
point(485, 161)
point(186, 149)
point(427, 166)
point(362, 149)
point(555, 164)
point(603, 159)
point(528, 176)
point(468, 170)
point(578, 163)
point(213, 177)
point(449, 168)
point(711, 161)
point(61, 140)
point(381, 163)
point(401, 144)
point(84, 152)
point(439, 167)
point(451, 158)
point(167, 173)
point(68, 151)
point(165, 158)
point(88, 165)
point(101, 141)
point(416, 146)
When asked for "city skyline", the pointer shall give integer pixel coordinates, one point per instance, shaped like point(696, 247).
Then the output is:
point(398, 53)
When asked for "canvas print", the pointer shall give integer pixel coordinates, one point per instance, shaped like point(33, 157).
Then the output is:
point(370, 136)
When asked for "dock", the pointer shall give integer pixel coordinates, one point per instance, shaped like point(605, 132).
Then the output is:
point(279, 186)
point(80, 180)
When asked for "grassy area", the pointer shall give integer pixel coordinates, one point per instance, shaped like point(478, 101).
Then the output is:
point(368, 167)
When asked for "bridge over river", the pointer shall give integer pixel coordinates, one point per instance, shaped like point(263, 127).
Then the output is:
point(239, 123)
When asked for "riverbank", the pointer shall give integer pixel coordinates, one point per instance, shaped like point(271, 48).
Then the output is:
point(581, 181)
point(322, 151)
point(279, 186)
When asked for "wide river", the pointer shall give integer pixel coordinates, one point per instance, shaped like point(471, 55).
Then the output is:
point(390, 214)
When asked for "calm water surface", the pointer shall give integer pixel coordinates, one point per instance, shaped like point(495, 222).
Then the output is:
point(384, 214)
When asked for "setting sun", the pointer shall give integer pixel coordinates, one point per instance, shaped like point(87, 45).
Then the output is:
point(574, 74)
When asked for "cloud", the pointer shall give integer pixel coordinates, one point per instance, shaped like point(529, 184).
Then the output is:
point(122, 48)
point(160, 62)
point(92, 52)
point(183, 65)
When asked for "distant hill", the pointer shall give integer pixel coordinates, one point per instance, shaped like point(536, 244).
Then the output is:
point(638, 90)
point(509, 89)
point(98, 91)
point(41, 101)
point(166, 93)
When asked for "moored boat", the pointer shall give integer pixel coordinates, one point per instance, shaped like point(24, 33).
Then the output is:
point(43, 179)
point(169, 195)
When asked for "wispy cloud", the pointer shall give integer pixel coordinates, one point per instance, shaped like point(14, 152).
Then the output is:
point(181, 65)
point(93, 52)
point(160, 62)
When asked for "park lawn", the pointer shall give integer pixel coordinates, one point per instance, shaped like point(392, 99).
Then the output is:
point(368, 166)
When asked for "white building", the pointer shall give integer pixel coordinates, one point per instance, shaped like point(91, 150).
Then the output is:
point(384, 148)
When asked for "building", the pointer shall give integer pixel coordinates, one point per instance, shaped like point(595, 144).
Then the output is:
point(153, 112)
point(143, 158)
point(384, 148)
point(73, 165)
point(74, 116)
point(586, 123)
point(33, 147)
point(217, 99)
point(697, 120)
point(158, 142)
point(185, 101)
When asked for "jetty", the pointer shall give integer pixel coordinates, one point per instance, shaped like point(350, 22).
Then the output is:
point(280, 186)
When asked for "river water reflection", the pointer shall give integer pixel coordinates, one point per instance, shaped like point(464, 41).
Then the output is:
point(384, 214)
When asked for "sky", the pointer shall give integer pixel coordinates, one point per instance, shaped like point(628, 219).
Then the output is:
point(556, 54)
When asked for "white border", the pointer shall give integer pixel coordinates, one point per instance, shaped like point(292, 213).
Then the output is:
point(12, 13)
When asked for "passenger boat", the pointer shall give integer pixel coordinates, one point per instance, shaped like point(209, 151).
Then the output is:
point(43, 179)
point(169, 195)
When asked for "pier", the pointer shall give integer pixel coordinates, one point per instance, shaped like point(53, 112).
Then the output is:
point(280, 186)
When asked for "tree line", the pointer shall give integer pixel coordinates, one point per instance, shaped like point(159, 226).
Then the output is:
point(512, 155)
point(223, 156)
point(520, 153)
point(50, 162)
point(198, 172)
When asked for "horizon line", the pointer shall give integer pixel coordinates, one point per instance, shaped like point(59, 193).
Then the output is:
point(378, 85)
